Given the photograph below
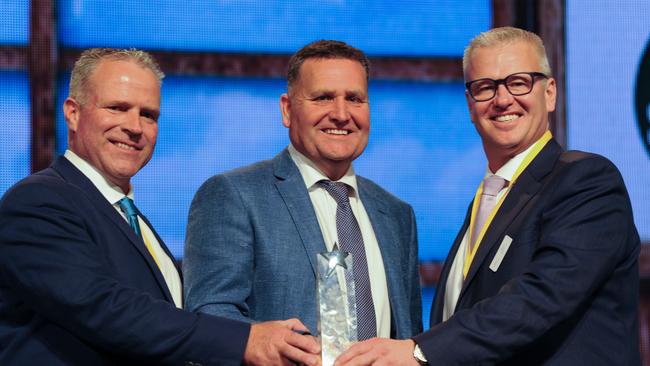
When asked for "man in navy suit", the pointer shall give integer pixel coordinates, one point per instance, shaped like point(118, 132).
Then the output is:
point(254, 233)
point(84, 278)
point(551, 277)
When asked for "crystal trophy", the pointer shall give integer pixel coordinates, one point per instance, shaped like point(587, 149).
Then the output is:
point(337, 320)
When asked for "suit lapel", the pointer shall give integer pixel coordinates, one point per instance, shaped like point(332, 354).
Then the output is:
point(292, 189)
point(527, 185)
point(75, 177)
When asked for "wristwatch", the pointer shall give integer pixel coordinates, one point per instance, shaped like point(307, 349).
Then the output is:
point(419, 356)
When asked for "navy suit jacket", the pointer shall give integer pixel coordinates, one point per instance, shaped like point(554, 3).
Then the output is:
point(566, 291)
point(77, 286)
point(253, 238)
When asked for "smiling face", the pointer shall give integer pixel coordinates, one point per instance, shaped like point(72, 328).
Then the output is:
point(509, 124)
point(327, 113)
point(115, 129)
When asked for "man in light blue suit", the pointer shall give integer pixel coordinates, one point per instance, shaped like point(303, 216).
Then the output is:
point(254, 233)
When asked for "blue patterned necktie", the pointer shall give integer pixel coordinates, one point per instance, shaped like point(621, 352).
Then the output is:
point(351, 240)
point(131, 213)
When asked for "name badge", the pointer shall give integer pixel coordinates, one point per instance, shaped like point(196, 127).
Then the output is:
point(501, 252)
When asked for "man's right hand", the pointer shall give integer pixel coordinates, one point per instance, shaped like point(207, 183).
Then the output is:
point(278, 343)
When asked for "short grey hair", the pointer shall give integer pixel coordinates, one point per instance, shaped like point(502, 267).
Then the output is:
point(91, 58)
point(504, 35)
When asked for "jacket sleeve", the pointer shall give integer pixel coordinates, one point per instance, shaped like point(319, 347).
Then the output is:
point(219, 254)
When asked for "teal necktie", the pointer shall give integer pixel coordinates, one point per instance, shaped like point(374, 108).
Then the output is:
point(131, 212)
point(127, 206)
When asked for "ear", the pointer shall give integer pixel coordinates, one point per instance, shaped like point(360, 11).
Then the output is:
point(71, 111)
point(550, 94)
point(470, 105)
point(285, 108)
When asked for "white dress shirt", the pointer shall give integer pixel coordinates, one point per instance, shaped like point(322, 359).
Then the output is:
point(325, 207)
point(114, 194)
point(455, 279)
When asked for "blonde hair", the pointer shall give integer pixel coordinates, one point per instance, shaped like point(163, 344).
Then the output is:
point(504, 35)
point(91, 58)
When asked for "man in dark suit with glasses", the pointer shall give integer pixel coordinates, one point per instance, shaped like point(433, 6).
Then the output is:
point(544, 270)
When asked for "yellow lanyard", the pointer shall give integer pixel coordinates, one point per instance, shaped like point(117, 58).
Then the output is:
point(149, 247)
point(537, 147)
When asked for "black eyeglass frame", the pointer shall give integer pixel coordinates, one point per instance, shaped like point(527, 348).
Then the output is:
point(532, 74)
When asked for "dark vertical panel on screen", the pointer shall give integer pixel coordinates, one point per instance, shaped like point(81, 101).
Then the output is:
point(503, 13)
point(42, 72)
point(526, 14)
point(550, 14)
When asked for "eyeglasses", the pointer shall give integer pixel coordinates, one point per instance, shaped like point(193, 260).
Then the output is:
point(521, 83)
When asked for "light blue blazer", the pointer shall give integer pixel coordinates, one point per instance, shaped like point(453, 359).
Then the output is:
point(252, 240)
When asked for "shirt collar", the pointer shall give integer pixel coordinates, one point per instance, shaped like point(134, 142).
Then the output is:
point(508, 170)
point(311, 174)
point(110, 191)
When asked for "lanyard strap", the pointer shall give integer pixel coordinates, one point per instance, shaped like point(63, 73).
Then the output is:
point(532, 154)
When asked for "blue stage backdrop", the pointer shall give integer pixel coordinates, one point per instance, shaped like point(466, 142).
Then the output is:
point(609, 91)
point(422, 27)
point(14, 23)
point(14, 98)
point(15, 130)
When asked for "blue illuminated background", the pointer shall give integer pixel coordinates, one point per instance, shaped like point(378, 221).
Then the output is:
point(14, 23)
point(15, 128)
point(604, 49)
point(422, 27)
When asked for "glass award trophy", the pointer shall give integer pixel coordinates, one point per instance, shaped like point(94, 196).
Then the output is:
point(337, 320)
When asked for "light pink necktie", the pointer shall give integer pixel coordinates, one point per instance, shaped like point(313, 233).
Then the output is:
point(491, 187)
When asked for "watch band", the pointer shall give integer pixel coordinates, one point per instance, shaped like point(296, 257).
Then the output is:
point(419, 355)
